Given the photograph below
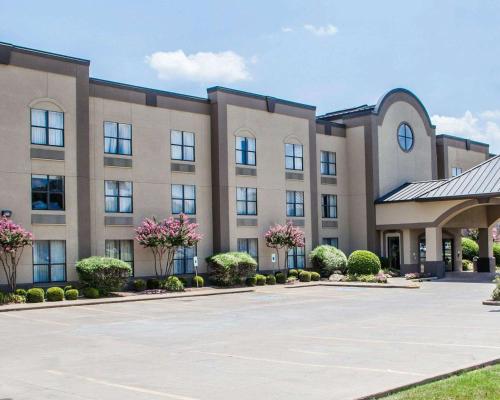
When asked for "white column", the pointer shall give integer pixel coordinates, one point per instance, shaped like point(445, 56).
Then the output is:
point(434, 244)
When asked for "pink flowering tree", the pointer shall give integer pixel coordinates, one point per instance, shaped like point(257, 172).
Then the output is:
point(163, 238)
point(284, 237)
point(13, 239)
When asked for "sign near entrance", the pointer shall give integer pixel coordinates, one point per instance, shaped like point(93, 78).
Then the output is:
point(273, 258)
point(195, 262)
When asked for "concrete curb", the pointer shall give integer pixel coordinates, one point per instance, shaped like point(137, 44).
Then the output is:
point(354, 284)
point(112, 300)
point(436, 378)
point(491, 303)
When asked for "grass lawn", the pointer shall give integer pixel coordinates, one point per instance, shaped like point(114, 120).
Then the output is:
point(481, 384)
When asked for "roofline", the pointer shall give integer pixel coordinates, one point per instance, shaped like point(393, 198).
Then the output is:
point(259, 96)
point(449, 136)
point(381, 200)
point(460, 197)
point(47, 54)
point(332, 123)
point(127, 86)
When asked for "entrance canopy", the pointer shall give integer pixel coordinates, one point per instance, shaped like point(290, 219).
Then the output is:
point(441, 208)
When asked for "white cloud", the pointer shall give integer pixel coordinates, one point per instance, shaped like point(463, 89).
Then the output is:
point(286, 29)
point(327, 30)
point(205, 67)
point(483, 127)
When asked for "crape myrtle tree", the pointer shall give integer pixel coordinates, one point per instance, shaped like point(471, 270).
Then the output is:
point(13, 239)
point(284, 237)
point(164, 238)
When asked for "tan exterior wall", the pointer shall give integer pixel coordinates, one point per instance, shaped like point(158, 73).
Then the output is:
point(464, 159)
point(150, 173)
point(22, 89)
point(397, 167)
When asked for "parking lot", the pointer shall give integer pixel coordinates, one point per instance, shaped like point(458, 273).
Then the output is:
point(277, 343)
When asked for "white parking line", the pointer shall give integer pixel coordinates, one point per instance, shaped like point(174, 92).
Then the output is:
point(120, 386)
point(392, 342)
point(313, 365)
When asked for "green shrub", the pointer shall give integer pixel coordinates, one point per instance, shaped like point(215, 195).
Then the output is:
point(467, 265)
point(20, 292)
point(228, 269)
point(55, 294)
point(251, 280)
point(6, 298)
point(496, 293)
point(327, 259)
point(71, 294)
point(2, 298)
point(103, 273)
point(363, 262)
point(280, 277)
point(173, 284)
point(91, 293)
point(293, 273)
point(197, 281)
point(305, 276)
point(270, 280)
point(153, 283)
point(139, 285)
point(470, 249)
point(183, 281)
point(315, 276)
point(68, 287)
point(260, 280)
point(496, 253)
point(35, 295)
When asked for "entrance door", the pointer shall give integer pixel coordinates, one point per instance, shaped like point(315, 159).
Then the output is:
point(448, 254)
point(393, 252)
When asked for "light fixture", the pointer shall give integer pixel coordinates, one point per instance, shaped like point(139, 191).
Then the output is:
point(6, 213)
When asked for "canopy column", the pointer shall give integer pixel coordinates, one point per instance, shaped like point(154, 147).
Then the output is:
point(434, 263)
point(486, 261)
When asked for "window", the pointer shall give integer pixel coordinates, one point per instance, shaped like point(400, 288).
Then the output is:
point(49, 261)
point(183, 199)
point(331, 241)
point(245, 151)
point(118, 196)
point(329, 205)
point(455, 171)
point(183, 260)
point(117, 138)
point(246, 201)
point(250, 246)
point(120, 249)
point(405, 137)
point(328, 163)
point(182, 145)
point(296, 257)
point(294, 156)
point(47, 127)
point(294, 204)
point(47, 192)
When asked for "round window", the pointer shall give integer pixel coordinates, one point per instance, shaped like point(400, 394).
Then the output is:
point(405, 137)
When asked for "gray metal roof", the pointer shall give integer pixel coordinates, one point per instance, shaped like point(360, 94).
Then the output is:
point(479, 181)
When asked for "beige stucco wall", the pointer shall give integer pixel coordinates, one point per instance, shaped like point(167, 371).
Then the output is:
point(21, 89)
point(462, 158)
point(397, 167)
point(150, 173)
point(272, 131)
point(337, 145)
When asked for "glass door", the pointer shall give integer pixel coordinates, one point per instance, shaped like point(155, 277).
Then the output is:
point(393, 252)
point(448, 254)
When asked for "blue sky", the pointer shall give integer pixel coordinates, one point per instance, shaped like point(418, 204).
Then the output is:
point(332, 54)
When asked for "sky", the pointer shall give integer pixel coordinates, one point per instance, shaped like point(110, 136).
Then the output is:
point(331, 54)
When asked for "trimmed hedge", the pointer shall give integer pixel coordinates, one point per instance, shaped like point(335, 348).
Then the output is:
point(470, 249)
point(197, 281)
point(496, 253)
point(363, 262)
point(327, 259)
point(228, 269)
point(251, 281)
point(293, 273)
point(153, 283)
point(173, 284)
point(20, 292)
point(68, 287)
point(71, 294)
point(280, 277)
point(270, 280)
point(91, 293)
point(35, 295)
point(315, 276)
point(260, 280)
point(305, 276)
point(467, 265)
point(139, 285)
point(103, 273)
point(55, 294)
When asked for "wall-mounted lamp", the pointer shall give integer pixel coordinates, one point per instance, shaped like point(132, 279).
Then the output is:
point(6, 213)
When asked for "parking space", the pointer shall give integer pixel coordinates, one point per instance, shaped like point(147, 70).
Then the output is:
point(277, 343)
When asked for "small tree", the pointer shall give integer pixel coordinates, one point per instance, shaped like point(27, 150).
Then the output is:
point(284, 237)
point(164, 238)
point(13, 240)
